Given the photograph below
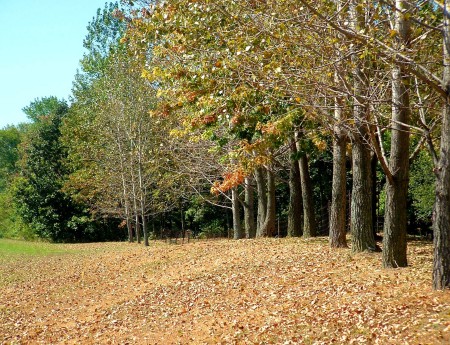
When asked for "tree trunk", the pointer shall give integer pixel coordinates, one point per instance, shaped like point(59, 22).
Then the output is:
point(130, 229)
point(237, 226)
point(145, 230)
point(262, 199)
point(395, 218)
point(309, 219)
point(295, 195)
point(338, 213)
point(249, 209)
point(373, 169)
point(137, 228)
point(268, 227)
point(183, 232)
point(338, 209)
point(361, 204)
point(441, 223)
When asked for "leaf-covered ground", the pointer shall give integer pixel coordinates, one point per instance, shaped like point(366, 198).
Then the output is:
point(271, 291)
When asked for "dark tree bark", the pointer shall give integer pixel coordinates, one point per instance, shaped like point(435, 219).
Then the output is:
point(395, 218)
point(295, 196)
point(145, 230)
point(373, 168)
point(249, 209)
point(309, 218)
point(441, 223)
point(338, 209)
point(238, 233)
point(361, 204)
point(262, 199)
point(137, 228)
point(338, 213)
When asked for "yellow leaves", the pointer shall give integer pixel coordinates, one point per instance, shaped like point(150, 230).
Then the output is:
point(146, 74)
point(319, 143)
point(393, 33)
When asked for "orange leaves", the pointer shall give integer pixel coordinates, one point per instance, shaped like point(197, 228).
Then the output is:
point(230, 180)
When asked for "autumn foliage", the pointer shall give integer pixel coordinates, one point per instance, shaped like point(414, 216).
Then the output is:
point(271, 291)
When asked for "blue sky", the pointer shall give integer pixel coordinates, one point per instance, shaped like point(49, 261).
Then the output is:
point(41, 43)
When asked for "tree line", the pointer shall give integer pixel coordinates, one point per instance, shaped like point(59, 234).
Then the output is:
point(294, 117)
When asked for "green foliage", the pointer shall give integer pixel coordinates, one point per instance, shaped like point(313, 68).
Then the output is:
point(9, 142)
point(421, 187)
point(11, 224)
point(213, 229)
point(40, 108)
point(102, 39)
point(203, 218)
point(38, 197)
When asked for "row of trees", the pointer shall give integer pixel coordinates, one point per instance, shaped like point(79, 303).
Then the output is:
point(273, 109)
point(261, 74)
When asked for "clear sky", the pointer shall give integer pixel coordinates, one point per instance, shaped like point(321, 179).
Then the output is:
point(41, 43)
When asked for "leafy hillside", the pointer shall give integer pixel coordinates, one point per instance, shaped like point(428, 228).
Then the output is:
point(267, 291)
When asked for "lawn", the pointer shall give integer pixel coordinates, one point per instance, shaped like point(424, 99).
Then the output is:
point(15, 247)
point(268, 291)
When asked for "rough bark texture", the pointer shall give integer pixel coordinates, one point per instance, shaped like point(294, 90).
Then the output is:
point(238, 233)
point(268, 227)
point(441, 224)
point(262, 199)
point(361, 204)
point(295, 196)
point(249, 209)
point(373, 168)
point(338, 213)
point(338, 209)
point(395, 218)
point(309, 218)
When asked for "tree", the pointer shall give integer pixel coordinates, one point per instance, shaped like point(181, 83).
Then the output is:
point(441, 222)
point(394, 234)
point(9, 142)
point(10, 138)
point(39, 198)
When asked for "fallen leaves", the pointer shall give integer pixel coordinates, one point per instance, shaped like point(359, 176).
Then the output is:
point(269, 291)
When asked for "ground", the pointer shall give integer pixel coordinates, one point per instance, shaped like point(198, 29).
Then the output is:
point(268, 291)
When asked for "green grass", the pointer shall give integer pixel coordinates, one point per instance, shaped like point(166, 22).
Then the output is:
point(17, 247)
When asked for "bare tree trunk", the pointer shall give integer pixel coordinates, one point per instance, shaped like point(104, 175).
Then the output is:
point(237, 226)
point(137, 227)
point(268, 227)
point(249, 209)
point(361, 204)
point(395, 218)
point(338, 213)
point(183, 231)
point(145, 230)
point(262, 199)
point(309, 218)
point(338, 210)
point(295, 195)
point(441, 223)
point(373, 169)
